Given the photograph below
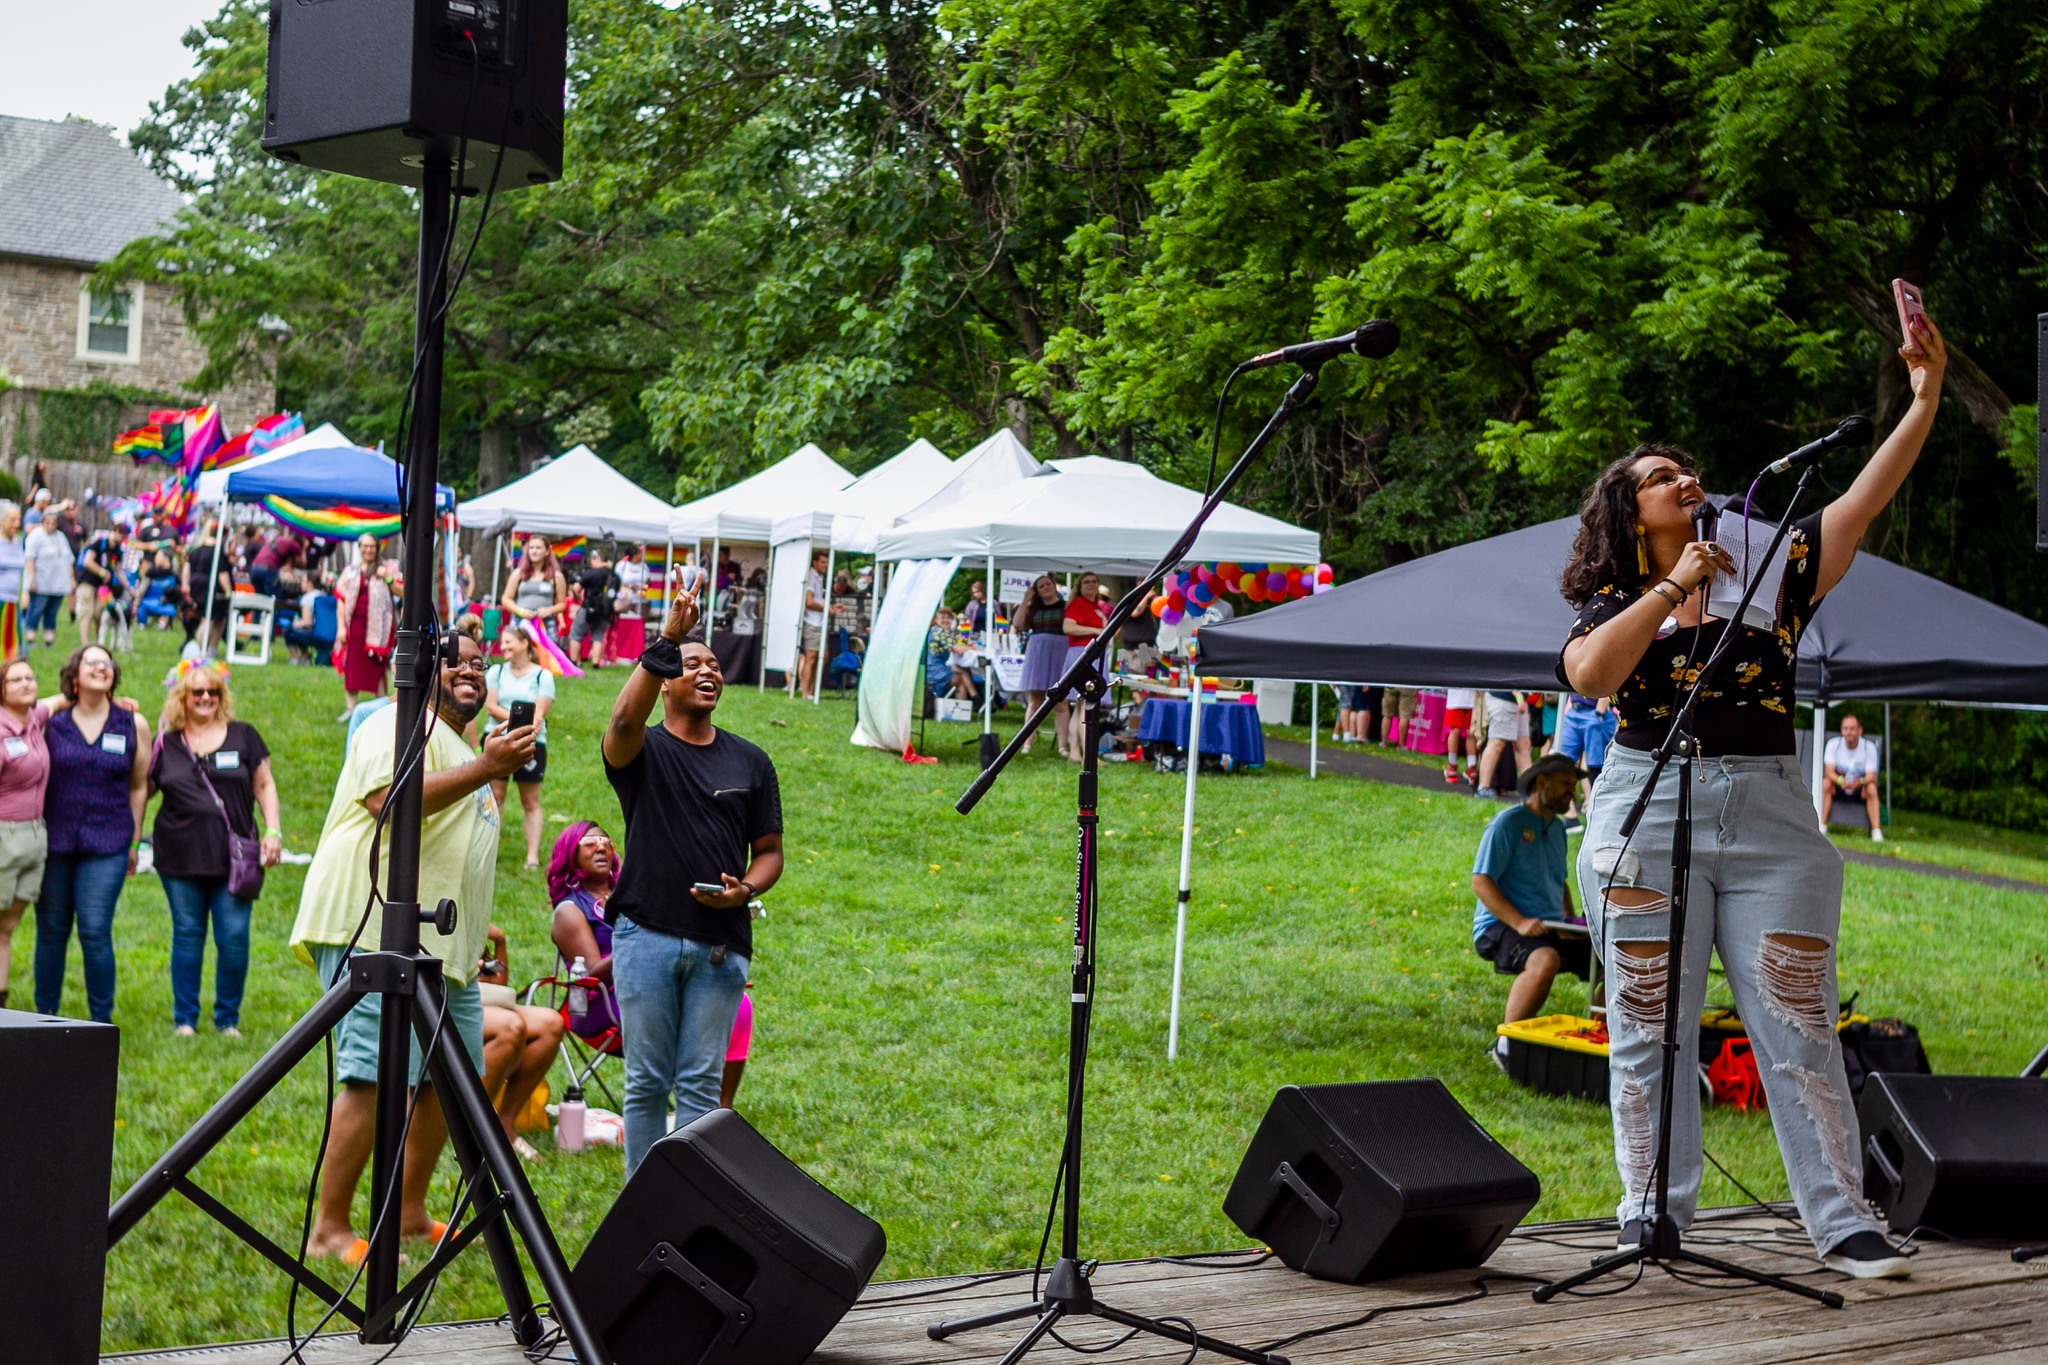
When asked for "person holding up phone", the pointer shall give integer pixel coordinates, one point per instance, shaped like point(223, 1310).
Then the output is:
point(519, 693)
point(703, 811)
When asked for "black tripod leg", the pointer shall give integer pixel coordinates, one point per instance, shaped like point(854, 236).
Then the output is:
point(939, 1331)
point(1175, 1332)
point(1046, 1322)
point(1544, 1293)
point(497, 1237)
point(230, 1109)
point(1729, 1268)
point(473, 1106)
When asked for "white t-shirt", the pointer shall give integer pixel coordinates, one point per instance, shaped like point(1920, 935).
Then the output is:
point(1460, 698)
point(50, 551)
point(814, 586)
point(1850, 762)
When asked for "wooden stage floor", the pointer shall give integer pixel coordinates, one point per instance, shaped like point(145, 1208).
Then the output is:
point(1962, 1304)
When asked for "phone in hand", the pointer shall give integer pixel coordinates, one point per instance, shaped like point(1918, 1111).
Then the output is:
point(521, 715)
point(1911, 309)
point(708, 888)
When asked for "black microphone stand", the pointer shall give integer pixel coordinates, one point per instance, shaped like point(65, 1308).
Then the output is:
point(414, 1000)
point(1662, 1242)
point(1067, 1292)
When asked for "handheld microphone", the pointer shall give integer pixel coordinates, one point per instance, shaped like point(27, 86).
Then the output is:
point(1854, 431)
point(1374, 340)
point(1704, 515)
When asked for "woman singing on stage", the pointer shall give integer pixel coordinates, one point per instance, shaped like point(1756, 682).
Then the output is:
point(1765, 887)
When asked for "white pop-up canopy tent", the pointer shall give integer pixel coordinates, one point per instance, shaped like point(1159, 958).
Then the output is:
point(847, 523)
point(747, 511)
point(1088, 513)
point(997, 461)
point(213, 484)
point(574, 494)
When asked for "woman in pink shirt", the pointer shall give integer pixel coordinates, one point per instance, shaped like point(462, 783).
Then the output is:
point(24, 773)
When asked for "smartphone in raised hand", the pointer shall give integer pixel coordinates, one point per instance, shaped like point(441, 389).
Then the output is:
point(520, 715)
point(1911, 309)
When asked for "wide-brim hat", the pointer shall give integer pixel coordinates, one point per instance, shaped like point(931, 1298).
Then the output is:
point(1549, 763)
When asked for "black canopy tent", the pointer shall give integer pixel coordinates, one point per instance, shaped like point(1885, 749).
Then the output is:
point(1488, 614)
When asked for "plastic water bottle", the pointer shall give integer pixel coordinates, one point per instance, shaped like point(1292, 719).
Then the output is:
point(579, 994)
point(569, 1121)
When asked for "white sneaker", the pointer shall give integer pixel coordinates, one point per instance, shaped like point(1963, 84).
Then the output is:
point(1876, 836)
point(1868, 1256)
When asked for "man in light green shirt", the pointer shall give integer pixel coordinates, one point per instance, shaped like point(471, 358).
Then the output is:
point(458, 859)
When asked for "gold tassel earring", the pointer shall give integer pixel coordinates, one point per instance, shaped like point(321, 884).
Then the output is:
point(1642, 555)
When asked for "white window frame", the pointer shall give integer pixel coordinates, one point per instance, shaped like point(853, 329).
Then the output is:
point(133, 355)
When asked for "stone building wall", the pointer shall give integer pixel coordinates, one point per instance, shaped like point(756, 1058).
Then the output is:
point(39, 351)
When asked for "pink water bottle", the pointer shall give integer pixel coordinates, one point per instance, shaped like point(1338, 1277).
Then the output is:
point(569, 1121)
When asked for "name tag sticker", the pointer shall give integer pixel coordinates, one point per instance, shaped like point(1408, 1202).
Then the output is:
point(114, 744)
point(225, 759)
point(17, 747)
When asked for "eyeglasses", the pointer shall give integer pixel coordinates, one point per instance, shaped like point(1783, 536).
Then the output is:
point(1662, 477)
point(202, 691)
point(475, 666)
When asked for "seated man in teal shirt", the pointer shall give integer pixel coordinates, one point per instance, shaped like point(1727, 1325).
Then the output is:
point(1521, 877)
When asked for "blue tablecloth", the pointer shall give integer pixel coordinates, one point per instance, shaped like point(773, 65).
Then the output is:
point(1228, 727)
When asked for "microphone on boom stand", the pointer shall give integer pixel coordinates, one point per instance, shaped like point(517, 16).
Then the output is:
point(1375, 340)
point(1854, 431)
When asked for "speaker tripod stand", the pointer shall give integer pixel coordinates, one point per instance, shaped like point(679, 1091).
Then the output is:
point(408, 980)
point(1068, 1293)
point(1662, 1240)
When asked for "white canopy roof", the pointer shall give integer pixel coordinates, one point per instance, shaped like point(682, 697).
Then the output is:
point(1094, 513)
point(1001, 459)
point(213, 484)
point(747, 512)
point(576, 494)
point(872, 503)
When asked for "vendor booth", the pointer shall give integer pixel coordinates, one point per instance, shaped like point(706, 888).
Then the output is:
point(848, 523)
point(746, 514)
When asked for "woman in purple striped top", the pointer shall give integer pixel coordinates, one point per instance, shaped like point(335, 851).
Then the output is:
point(92, 811)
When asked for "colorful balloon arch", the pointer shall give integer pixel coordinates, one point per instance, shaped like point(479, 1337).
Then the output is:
point(1197, 586)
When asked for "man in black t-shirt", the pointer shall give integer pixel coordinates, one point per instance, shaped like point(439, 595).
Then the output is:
point(703, 838)
point(594, 588)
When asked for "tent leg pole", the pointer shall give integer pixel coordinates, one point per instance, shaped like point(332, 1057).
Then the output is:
point(818, 678)
point(988, 631)
point(1187, 855)
point(220, 530)
point(1315, 727)
point(1820, 739)
point(1888, 757)
point(497, 565)
point(712, 614)
point(767, 596)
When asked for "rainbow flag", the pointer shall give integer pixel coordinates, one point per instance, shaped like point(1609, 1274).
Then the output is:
point(268, 434)
point(568, 546)
point(333, 523)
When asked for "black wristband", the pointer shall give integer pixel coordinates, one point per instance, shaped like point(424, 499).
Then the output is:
point(663, 657)
point(748, 887)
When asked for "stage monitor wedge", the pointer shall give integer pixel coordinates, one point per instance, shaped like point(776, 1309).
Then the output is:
point(1378, 1178)
point(1966, 1155)
point(721, 1251)
point(370, 87)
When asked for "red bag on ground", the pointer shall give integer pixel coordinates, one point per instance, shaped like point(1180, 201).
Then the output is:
point(1734, 1077)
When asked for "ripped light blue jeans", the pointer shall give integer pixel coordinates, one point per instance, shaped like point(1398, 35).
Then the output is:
point(1765, 892)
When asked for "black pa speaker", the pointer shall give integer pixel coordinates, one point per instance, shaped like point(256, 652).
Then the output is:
point(59, 1168)
point(369, 87)
point(1359, 1182)
point(1966, 1155)
point(720, 1249)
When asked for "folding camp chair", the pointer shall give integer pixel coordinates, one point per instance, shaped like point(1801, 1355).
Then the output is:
point(846, 663)
point(584, 1056)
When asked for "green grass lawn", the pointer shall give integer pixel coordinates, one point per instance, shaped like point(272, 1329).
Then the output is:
point(911, 989)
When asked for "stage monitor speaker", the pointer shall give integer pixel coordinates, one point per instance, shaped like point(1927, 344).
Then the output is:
point(1358, 1182)
point(720, 1249)
point(1966, 1155)
point(369, 87)
point(59, 1167)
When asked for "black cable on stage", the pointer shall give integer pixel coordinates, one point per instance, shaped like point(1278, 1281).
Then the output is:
point(1479, 1291)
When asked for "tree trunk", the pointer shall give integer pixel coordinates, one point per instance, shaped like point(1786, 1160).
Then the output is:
point(1965, 381)
point(494, 456)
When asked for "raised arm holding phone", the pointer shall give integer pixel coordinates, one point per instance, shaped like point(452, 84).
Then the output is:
point(703, 810)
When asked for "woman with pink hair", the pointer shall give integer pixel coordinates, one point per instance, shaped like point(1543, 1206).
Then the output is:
point(583, 871)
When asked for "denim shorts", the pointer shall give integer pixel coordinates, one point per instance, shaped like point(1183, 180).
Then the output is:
point(355, 1037)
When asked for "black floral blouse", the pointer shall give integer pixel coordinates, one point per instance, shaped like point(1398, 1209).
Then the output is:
point(1747, 708)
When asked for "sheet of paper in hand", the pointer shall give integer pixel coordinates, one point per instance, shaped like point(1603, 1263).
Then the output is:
point(1745, 539)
